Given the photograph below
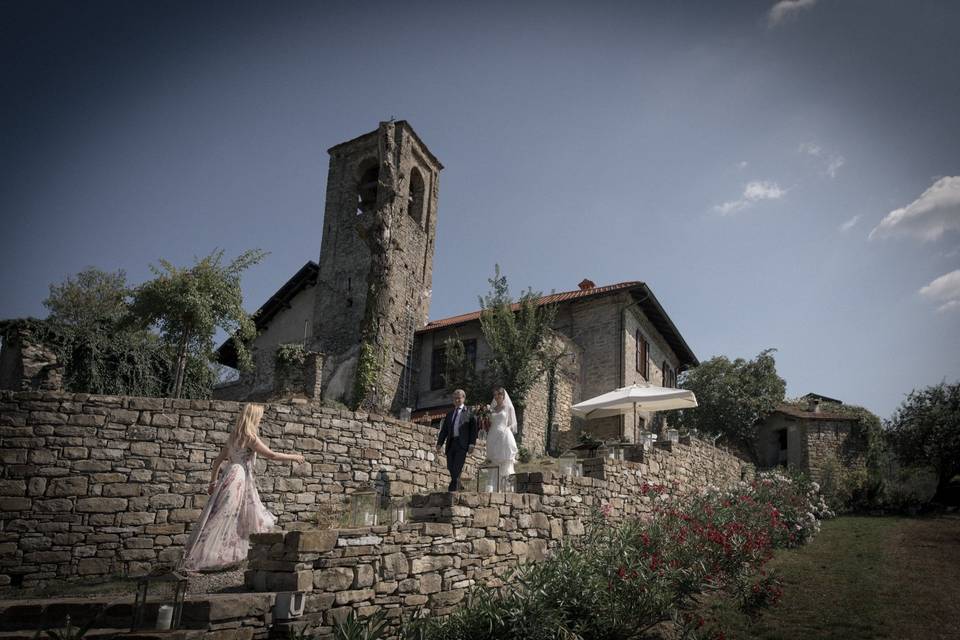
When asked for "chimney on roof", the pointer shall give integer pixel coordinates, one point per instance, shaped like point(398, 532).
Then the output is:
point(586, 284)
point(813, 405)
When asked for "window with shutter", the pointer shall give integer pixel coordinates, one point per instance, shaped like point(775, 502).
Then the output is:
point(438, 363)
point(642, 356)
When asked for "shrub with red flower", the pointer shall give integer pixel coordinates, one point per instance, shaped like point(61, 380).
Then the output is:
point(620, 580)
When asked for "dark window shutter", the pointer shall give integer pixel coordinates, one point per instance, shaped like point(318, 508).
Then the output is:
point(436, 368)
point(639, 341)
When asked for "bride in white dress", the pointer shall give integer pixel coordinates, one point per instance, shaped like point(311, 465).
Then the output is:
point(501, 445)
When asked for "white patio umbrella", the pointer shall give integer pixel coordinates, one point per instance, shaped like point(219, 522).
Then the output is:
point(642, 397)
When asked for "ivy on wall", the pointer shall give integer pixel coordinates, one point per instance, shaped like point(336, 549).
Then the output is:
point(133, 363)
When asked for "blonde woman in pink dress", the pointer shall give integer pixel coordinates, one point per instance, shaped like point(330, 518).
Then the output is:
point(234, 510)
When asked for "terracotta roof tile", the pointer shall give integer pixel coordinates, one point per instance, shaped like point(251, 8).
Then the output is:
point(553, 298)
point(803, 414)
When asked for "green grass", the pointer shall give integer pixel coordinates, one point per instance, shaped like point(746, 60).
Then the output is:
point(863, 578)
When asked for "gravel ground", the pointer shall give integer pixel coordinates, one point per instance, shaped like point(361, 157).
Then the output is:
point(199, 583)
point(216, 581)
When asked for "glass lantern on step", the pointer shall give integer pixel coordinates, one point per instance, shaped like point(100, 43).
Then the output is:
point(159, 601)
point(399, 511)
point(509, 484)
point(646, 440)
point(568, 464)
point(673, 436)
point(363, 509)
point(488, 479)
point(615, 451)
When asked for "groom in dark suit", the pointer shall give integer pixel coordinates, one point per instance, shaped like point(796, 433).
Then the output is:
point(459, 433)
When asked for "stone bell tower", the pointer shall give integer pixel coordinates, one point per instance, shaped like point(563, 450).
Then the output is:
point(376, 265)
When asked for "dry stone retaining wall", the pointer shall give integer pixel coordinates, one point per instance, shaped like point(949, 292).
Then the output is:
point(465, 539)
point(103, 485)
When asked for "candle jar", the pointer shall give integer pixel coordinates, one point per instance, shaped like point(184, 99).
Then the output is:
point(568, 464)
point(164, 617)
point(488, 479)
point(363, 512)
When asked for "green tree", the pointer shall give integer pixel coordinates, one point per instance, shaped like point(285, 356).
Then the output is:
point(925, 430)
point(85, 326)
point(95, 301)
point(517, 334)
point(188, 305)
point(733, 397)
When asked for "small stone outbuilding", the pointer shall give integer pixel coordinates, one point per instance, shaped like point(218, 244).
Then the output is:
point(809, 438)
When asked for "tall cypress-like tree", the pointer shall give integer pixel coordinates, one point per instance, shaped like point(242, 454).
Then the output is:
point(517, 333)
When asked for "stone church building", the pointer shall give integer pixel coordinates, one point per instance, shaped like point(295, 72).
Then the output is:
point(612, 335)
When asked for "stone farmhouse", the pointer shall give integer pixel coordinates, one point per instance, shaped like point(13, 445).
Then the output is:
point(613, 335)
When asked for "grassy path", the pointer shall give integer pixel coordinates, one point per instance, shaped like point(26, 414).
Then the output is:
point(865, 578)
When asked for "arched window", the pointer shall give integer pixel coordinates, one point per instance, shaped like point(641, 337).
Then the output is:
point(415, 199)
point(367, 186)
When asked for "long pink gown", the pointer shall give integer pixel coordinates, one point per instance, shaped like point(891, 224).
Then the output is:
point(234, 511)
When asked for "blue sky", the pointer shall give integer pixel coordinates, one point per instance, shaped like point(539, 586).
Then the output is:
point(782, 174)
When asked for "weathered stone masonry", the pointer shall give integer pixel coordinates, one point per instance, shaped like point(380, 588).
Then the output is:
point(98, 485)
point(459, 540)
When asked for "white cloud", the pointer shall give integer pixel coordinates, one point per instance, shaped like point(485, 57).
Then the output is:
point(834, 164)
point(757, 190)
point(833, 160)
point(929, 217)
point(849, 224)
point(944, 290)
point(754, 192)
point(786, 9)
point(742, 165)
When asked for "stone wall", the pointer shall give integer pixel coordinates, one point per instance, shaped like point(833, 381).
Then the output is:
point(97, 485)
point(345, 258)
point(292, 325)
point(833, 443)
point(658, 353)
point(25, 364)
point(549, 400)
point(594, 325)
point(815, 441)
point(470, 539)
point(459, 540)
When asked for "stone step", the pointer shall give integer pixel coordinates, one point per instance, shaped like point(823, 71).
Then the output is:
point(199, 613)
point(17, 617)
point(107, 633)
